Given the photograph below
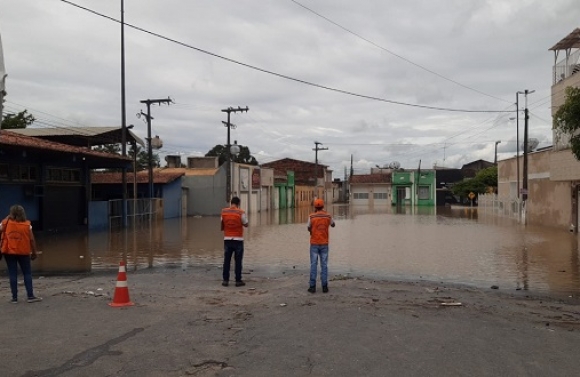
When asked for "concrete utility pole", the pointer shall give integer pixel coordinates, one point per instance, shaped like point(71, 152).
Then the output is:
point(229, 125)
point(123, 115)
point(2, 80)
point(148, 116)
point(316, 149)
point(525, 172)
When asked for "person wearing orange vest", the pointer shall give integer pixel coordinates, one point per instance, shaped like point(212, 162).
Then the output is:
point(18, 247)
point(233, 222)
point(318, 224)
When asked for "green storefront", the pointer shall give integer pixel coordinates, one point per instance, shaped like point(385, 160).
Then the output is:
point(285, 191)
point(413, 188)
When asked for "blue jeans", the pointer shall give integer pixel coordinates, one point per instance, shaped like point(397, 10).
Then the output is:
point(12, 262)
point(315, 252)
point(235, 248)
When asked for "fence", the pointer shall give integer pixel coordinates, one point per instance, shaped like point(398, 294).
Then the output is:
point(138, 210)
point(567, 67)
point(509, 207)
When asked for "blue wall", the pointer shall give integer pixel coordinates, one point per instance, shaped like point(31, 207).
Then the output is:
point(98, 215)
point(172, 199)
point(16, 194)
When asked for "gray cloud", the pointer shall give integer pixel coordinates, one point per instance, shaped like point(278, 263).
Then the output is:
point(64, 66)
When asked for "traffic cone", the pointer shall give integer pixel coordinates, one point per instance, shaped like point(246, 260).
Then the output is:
point(121, 297)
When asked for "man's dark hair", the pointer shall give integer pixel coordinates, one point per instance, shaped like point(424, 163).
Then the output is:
point(235, 200)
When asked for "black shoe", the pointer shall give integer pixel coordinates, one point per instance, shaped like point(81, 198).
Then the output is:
point(312, 289)
point(240, 283)
point(225, 283)
point(325, 288)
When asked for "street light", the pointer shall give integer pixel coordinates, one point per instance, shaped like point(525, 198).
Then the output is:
point(495, 160)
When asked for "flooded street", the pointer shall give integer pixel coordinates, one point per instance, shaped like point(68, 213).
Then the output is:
point(439, 244)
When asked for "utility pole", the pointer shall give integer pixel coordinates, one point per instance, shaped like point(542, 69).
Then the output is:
point(229, 125)
point(148, 116)
point(123, 115)
point(525, 172)
point(316, 149)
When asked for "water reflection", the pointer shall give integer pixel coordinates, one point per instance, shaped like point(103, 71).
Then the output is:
point(440, 244)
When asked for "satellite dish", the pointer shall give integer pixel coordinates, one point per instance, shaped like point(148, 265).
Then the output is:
point(532, 144)
point(395, 165)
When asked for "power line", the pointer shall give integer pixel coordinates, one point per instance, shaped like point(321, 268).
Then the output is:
point(280, 75)
point(395, 54)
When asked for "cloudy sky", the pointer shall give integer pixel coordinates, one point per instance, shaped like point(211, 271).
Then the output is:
point(416, 80)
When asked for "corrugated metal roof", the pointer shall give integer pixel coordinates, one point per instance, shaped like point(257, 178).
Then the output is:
point(572, 40)
point(17, 139)
point(99, 133)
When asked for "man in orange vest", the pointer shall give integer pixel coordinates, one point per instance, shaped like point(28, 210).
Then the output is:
point(233, 222)
point(18, 247)
point(318, 223)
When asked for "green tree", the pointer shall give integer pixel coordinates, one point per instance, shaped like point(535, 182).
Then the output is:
point(108, 148)
point(142, 155)
point(479, 184)
point(142, 161)
point(16, 121)
point(567, 119)
point(244, 157)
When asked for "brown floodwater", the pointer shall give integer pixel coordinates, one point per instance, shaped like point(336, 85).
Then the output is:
point(448, 245)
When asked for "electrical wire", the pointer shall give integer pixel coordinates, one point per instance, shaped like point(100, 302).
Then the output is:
point(280, 75)
point(395, 54)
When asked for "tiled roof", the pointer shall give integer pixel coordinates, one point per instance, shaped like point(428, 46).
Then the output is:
point(159, 176)
point(370, 179)
point(193, 172)
point(15, 139)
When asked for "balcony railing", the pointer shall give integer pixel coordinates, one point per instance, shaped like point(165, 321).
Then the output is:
point(567, 67)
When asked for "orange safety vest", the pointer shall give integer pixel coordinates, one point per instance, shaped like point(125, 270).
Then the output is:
point(319, 223)
point(16, 237)
point(233, 226)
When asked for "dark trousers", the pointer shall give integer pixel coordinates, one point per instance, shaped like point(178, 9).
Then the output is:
point(12, 262)
point(235, 248)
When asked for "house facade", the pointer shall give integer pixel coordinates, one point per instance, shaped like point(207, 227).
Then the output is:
point(554, 172)
point(310, 180)
point(413, 188)
point(50, 180)
point(371, 189)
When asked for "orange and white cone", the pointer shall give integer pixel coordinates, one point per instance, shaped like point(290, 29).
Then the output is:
point(121, 297)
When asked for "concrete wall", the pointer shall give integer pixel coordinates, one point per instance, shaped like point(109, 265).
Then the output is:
point(549, 201)
point(558, 98)
point(202, 162)
point(206, 194)
point(564, 166)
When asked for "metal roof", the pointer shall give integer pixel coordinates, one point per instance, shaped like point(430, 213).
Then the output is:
point(571, 41)
point(81, 136)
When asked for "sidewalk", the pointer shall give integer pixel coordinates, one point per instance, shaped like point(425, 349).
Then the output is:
point(184, 323)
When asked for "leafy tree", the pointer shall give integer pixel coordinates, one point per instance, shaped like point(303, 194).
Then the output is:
point(244, 157)
point(108, 148)
point(567, 119)
point(479, 184)
point(143, 158)
point(142, 155)
point(16, 121)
